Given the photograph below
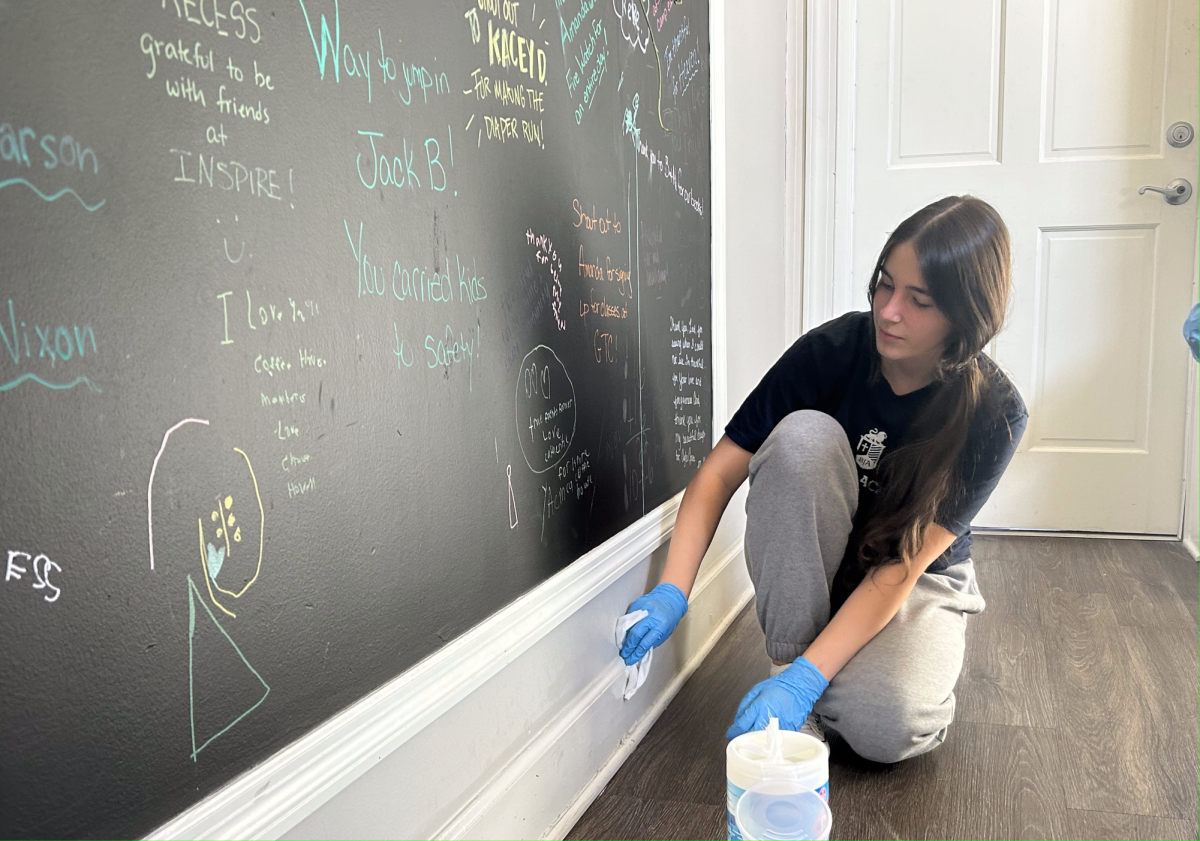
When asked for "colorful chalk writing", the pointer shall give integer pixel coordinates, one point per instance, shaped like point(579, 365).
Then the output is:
point(295, 315)
point(588, 59)
point(62, 155)
point(635, 28)
point(515, 77)
point(545, 253)
point(591, 221)
point(546, 409)
point(687, 376)
point(258, 182)
point(397, 170)
point(63, 151)
point(680, 74)
point(38, 567)
point(238, 18)
point(412, 283)
point(44, 345)
point(193, 55)
point(654, 269)
point(447, 349)
point(357, 65)
point(658, 11)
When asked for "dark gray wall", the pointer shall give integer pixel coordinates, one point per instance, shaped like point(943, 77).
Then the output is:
point(253, 361)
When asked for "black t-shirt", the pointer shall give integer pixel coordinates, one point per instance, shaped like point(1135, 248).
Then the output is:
point(829, 369)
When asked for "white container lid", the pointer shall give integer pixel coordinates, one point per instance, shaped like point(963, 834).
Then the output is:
point(776, 753)
point(780, 809)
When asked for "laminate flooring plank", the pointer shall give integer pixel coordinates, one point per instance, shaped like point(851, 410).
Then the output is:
point(998, 781)
point(624, 817)
point(1104, 730)
point(682, 757)
point(674, 819)
point(1013, 588)
point(870, 800)
point(1182, 572)
point(1114, 826)
point(1137, 584)
point(983, 546)
point(1163, 664)
point(634, 818)
point(1055, 559)
point(1005, 677)
point(1166, 828)
point(611, 816)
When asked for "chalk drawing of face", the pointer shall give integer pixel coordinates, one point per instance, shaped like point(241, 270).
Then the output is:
point(241, 250)
point(204, 499)
point(209, 482)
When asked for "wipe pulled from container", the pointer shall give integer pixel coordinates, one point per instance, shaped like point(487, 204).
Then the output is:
point(780, 771)
point(781, 806)
point(636, 674)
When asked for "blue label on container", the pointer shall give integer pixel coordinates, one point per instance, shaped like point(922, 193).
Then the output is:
point(732, 795)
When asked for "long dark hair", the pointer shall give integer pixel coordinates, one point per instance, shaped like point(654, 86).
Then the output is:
point(963, 250)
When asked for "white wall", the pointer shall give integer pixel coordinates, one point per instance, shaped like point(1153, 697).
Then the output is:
point(755, 72)
point(513, 729)
point(1191, 499)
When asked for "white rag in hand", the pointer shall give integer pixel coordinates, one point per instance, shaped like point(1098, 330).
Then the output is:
point(636, 674)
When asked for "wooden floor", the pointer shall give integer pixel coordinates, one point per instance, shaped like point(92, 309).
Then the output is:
point(1076, 715)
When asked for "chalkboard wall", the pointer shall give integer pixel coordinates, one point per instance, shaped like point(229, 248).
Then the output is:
point(328, 329)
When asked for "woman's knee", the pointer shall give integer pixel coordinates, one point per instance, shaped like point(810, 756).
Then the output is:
point(895, 729)
point(804, 440)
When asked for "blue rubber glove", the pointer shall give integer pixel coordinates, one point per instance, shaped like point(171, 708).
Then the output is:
point(1191, 331)
point(666, 605)
point(789, 696)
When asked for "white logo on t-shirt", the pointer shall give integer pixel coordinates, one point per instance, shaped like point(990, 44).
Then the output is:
point(870, 448)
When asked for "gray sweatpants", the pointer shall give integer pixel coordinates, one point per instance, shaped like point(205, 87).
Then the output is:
point(895, 698)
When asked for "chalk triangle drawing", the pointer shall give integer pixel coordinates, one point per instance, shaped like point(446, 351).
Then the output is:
point(194, 596)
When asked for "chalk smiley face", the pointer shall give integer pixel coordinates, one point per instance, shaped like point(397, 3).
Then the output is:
point(229, 252)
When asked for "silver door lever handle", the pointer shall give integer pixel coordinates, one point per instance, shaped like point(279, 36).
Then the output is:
point(1176, 192)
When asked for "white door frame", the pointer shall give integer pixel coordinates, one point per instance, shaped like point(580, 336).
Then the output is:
point(819, 220)
point(819, 170)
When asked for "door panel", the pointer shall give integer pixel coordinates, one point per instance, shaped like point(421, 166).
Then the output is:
point(940, 118)
point(1105, 74)
point(1101, 338)
point(1055, 112)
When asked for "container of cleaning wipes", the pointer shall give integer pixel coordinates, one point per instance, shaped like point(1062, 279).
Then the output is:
point(788, 760)
point(782, 809)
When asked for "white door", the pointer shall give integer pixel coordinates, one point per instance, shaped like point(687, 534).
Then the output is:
point(1056, 112)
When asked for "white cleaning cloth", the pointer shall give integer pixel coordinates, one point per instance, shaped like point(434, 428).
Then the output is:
point(636, 674)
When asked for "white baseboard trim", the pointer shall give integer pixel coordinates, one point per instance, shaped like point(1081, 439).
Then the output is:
point(472, 821)
point(1190, 545)
point(1093, 535)
point(274, 796)
point(593, 789)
